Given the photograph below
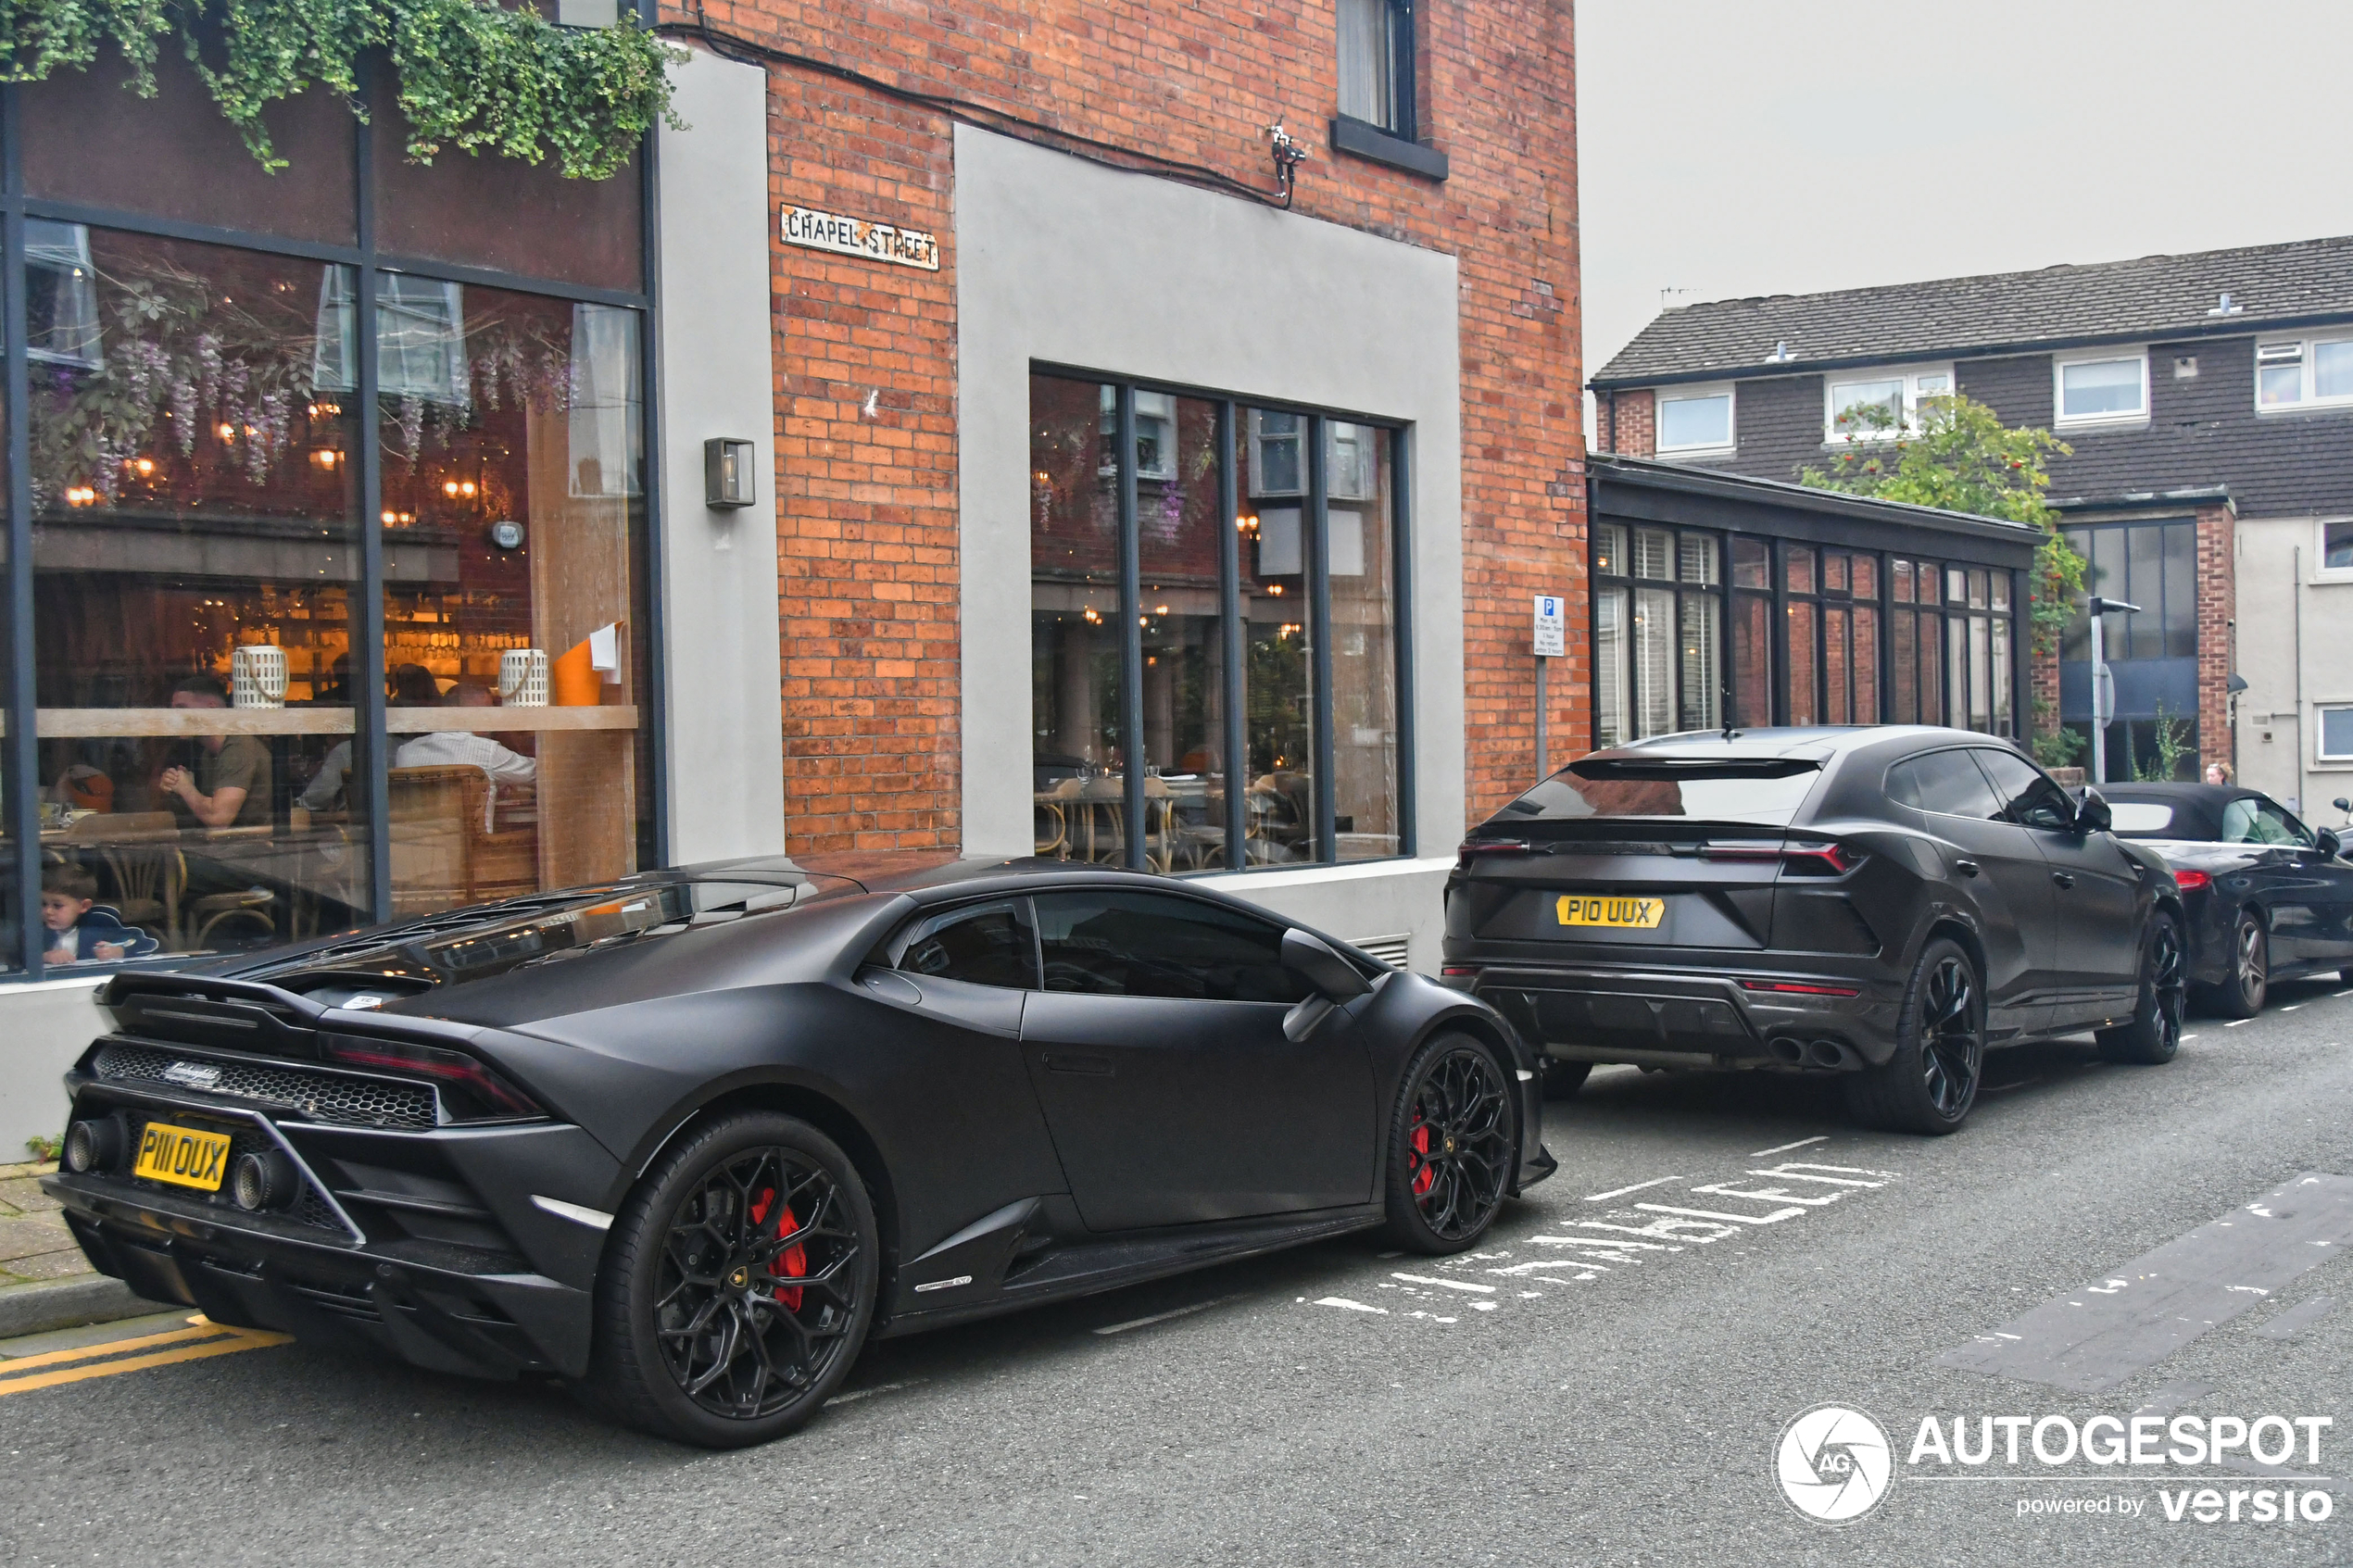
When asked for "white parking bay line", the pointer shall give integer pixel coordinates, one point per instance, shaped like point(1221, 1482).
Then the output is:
point(1164, 1317)
point(2236, 1022)
point(1785, 1148)
point(1620, 1192)
point(1449, 1284)
point(1351, 1306)
point(2290, 1006)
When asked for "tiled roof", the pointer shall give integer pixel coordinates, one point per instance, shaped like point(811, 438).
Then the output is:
point(2156, 296)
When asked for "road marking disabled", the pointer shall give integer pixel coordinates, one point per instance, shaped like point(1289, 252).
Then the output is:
point(202, 1339)
point(1620, 1192)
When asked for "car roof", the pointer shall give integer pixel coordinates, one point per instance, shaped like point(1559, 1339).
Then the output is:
point(1818, 741)
point(2203, 794)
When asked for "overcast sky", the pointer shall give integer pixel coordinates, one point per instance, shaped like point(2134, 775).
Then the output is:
point(1733, 147)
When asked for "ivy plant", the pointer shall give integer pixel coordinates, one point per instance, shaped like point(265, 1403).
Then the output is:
point(470, 74)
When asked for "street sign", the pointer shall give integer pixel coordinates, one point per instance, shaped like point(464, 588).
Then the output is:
point(1552, 626)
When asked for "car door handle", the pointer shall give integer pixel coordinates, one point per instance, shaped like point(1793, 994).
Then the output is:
point(1079, 1061)
point(2065, 879)
point(1967, 867)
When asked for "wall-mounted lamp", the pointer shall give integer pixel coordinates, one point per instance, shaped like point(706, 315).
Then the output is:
point(727, 473)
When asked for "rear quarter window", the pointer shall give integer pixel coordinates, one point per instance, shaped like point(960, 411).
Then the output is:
point(2141, 819)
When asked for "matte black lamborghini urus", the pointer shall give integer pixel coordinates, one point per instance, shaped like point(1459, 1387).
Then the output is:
point(686, 1141)
point(1883, 903)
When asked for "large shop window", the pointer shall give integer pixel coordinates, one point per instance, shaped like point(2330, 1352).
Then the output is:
point(1816, 635)
point(208, 777)
point(1215, 632)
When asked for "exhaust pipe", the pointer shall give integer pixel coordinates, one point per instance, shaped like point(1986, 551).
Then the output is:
point(1828, 1053)
point(1790, 1052)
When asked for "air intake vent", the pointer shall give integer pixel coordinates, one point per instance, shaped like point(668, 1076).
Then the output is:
point(1390, 951)
point(325, 1097)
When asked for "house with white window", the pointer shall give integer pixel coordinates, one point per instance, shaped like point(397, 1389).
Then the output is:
point(2208, 402)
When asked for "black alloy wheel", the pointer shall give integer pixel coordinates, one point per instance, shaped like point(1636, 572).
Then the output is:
point(1451, 1145)
point(2245, 989)
point(1929, 1082)
point(2155, 1032)
point(737, 1286)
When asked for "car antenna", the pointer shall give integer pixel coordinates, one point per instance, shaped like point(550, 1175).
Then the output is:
point(1730, 732)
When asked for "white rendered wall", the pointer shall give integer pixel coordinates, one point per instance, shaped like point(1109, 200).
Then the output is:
point(722, 679)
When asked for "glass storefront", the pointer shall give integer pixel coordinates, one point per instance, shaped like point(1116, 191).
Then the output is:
point(1253, 550)
point(265, 626)
point(1863, 637)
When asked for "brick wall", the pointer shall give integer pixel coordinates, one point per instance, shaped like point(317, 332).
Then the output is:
point(865, 353)
point(1629, 424)
point(2217, 605)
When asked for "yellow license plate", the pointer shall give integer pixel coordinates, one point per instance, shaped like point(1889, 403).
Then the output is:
point(1640, 914)
point(187, 1157)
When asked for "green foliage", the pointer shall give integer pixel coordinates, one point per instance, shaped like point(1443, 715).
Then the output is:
point(470, 74)
point(2056, 747)
point(2171, 738)
point(44, 1148)
point(1964, 460)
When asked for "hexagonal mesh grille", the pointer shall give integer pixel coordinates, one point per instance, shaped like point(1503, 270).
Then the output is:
point(365, 1102)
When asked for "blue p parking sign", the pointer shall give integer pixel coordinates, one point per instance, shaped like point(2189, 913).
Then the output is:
point(1552, 626)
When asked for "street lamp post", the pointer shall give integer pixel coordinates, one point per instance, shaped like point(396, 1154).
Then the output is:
point(2103, 684)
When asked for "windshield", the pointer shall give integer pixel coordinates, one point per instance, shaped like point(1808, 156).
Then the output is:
point(1765, 791)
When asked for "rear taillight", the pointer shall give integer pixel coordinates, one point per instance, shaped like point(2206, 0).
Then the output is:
point(1460, 972)
point(2187, 880)
point(470, 1091)
point(1803, 860)
point(1480, 848)
point(1799, 988)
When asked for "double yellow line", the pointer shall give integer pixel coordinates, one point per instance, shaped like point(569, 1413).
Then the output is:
point(201, 1338)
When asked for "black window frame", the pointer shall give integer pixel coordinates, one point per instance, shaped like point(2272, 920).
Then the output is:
point(1401, 65)
point(1716, 593)
point(21, 958)
point(1232, 408)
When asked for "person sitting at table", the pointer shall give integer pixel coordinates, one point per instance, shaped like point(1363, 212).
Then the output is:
point(442, 748)
point(229, 785)
point(80, 930)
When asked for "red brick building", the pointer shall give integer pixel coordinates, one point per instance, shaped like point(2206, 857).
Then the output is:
point(1420, 278)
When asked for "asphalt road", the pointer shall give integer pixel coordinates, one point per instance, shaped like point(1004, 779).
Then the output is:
point(1609, 1397)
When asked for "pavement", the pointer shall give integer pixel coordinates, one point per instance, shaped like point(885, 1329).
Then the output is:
point(1608, 1379)
point(34, 1244)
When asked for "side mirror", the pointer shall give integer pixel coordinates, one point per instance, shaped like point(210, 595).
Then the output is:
point(2093, 815)
point(2342, 804)
point(2332, 845)
point(1312, 959)
point(1335, 979)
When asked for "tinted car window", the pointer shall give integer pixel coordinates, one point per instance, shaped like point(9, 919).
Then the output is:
point(2028, 797)
point(1765, 790)
point(1121, 943)
point(987, 944)
point(1943, 782)
point(2250, 821)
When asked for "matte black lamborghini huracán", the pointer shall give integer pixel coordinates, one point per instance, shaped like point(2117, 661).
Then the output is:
point(1881, 903)
point(687, 1140)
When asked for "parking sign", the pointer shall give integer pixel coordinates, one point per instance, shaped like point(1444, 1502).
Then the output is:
point(1552, 626)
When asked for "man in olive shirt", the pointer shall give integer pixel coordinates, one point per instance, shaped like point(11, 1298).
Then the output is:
point(229, 785)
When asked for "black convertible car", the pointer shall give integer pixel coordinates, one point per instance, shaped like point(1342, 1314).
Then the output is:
point(2265, 898)
point(1884, 903)
point(688, 1140)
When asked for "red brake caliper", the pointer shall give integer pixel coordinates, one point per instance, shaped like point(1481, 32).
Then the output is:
point(1424, 1176)
point(793, 1261)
